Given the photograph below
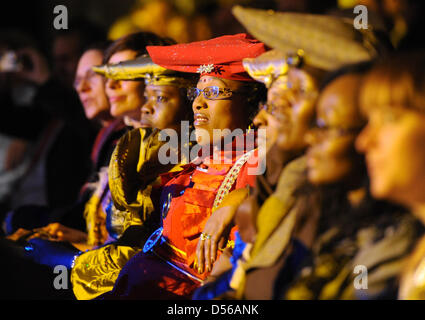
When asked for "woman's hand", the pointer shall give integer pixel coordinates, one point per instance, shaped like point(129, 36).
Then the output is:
point(215, 234)
point(58, 232)
point(216, 230)
point(18, 234)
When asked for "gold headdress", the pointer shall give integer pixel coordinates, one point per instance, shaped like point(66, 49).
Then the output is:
point(144, 68)
point(271, 65)
point(327, 42)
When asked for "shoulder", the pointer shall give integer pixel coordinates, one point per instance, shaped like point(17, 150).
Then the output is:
point(250, 170)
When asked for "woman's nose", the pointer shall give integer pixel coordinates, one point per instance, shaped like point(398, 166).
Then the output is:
point(260, 119)
point(364, 139)
point(199, 103)
point(147, 109)
point(83, 86)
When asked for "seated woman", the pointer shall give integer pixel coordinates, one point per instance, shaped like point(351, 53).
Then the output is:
point(223, 99)
point(277, 206)
point(392, 98)
point(57, 244)
point(134, 172)
point(360, 242)
point(274, 189)
point(94, 96)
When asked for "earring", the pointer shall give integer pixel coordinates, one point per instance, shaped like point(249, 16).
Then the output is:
point(251, 127)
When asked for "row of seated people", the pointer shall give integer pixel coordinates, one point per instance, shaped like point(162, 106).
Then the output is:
point(321, 183)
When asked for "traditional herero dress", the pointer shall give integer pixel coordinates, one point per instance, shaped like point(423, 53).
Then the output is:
point(120, 214)
point(164, 270)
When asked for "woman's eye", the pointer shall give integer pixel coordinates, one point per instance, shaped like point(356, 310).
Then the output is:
point(161, 99)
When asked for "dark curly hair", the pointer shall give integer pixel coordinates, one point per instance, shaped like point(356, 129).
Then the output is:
point(137, 42)
point(257, 92)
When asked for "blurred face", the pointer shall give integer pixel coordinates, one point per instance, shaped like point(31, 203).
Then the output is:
point(163, 107)
point(292, 100)
point(66, 52)
point(91, 86)
point(330, 156)
point(125, 97)
point(221, 112)
point(393, 143)
point(268, 120)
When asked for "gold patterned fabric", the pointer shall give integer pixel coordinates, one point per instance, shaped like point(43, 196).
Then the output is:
point(412, 282)
point(328, 42)
point(274, 231)
point(94, 212)
point(133, 172)
point(144, 68)
point(267, 67)
point(379, 251)
point(95, 271)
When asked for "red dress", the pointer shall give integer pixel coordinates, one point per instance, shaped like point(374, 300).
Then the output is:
point(165, 272)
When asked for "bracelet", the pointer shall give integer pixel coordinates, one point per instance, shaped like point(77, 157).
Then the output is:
point(76, 256)
point(230, 244)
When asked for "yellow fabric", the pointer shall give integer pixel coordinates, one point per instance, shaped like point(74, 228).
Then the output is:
point(275, 223)
point(93, 212)
point(234, 198)
point(122, 219)
point(96, 271)
point(332, 274)
point(95, 215)
point(95, 221)
point(412, 283)
point(267, 67)
point(133, 171)
point(292, 177)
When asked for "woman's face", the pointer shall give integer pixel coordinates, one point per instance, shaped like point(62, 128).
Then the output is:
point(126, 97)
point(163, 107)
point(90, 86)
point(268, 120)
point(292, 98)
point(331, 155)
point(219, 113)
point(393, 143)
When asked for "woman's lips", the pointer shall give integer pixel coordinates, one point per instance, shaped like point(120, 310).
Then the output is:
point(86, 100)
point(145, 123)
point(116, 98)
point(312, 160)
point(373, 163)
point(200, 119)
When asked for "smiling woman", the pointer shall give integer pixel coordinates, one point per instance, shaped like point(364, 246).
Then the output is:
point(225, 96)
point(165, 106)
point(57, 244)
point(91, 86)
point(393, 100)
point(347, 209)
point(127, 97)
point(219, 107)
point(181, 253)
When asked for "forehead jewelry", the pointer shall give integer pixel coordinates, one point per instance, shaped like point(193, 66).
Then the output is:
point(205, 68)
